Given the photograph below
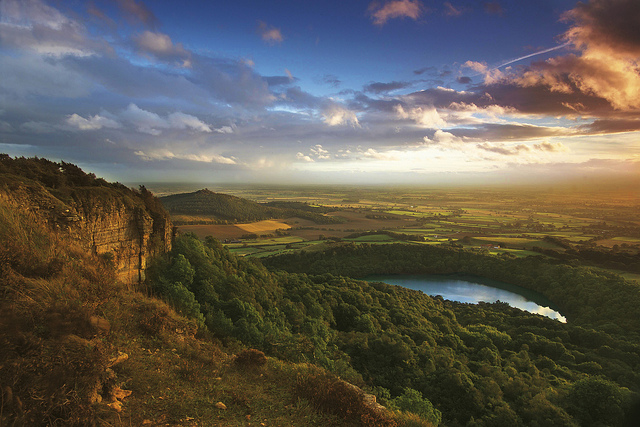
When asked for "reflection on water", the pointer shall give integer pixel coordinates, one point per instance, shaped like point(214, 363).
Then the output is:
point(472, 292)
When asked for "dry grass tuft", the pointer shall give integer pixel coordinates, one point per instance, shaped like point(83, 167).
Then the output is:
point(250, 359)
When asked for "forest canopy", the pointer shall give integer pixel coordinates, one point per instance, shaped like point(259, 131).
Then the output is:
point(486, 364)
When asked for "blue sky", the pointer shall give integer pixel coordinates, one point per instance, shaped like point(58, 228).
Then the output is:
point(399, 91)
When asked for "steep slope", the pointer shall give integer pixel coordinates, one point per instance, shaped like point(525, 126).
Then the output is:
point(124, 226)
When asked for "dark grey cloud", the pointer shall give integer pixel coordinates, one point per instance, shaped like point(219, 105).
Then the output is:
point(331, 80)
point(378, 87)
point(510, 132)
point(610, 23)
point(604, 126)
point(463, 80)
point(424, 70)
point(274, 81)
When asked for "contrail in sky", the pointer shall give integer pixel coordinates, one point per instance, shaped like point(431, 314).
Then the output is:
point(534, 54)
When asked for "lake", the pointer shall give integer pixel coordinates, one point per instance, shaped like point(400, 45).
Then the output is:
point(470, 289)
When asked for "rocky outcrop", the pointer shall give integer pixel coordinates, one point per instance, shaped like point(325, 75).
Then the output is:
point(127, 235)
point(115, 223)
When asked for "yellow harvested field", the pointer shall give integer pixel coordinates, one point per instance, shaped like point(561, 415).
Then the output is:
point(263, 226)
point(234, 231)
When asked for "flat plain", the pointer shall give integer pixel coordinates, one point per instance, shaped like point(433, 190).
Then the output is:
point(520, 222)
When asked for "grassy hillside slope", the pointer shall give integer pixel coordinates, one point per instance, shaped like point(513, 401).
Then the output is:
point(205, 206)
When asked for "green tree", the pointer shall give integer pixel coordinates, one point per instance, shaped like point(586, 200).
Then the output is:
point(596, 401)
point(412, 401)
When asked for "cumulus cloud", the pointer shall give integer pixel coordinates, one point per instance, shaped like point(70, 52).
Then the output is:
point(319, 152)
point(427, 116)
point(604, 35)
point(335, 115)
point(92, 123)
point(151, 123)
point(372, 153)
point(160, 46)
point(491, 75)
point(381, 13)
point(270, 34)
point(224, 129)
point(443, 138)
point(304, 157)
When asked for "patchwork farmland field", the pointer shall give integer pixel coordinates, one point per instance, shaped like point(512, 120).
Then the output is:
point(516, 221)
point(234, 231)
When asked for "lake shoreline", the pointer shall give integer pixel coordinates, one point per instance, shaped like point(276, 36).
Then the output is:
point(466, 288)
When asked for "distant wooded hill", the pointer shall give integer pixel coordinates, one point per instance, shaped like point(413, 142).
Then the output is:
point(227, 208)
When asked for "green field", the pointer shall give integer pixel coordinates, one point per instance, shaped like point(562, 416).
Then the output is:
point(517, 220)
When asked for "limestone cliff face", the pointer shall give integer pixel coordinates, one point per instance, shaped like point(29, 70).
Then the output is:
point(129, 235)
point(119, 224)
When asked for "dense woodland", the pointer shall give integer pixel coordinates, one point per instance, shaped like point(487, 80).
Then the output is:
point(485, 364)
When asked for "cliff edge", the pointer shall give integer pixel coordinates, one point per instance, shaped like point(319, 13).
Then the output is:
point(123, 225)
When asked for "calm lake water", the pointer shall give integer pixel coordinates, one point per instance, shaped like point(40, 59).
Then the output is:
point(473, 290)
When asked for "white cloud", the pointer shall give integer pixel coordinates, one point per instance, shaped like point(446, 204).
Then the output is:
point(395, 9)
point(160, 46)
point(372, 153)
point(319, 152)
point(335, 115)
point(182, 121)
point(165, 154)
point(303, 157)
point(224, 129)
point(427, 116)
point(443, 138)
point(491, 75)
point(92, 123)
point(145, 121)
point(151, 123)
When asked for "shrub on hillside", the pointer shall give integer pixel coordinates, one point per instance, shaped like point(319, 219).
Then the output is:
point(250, 358)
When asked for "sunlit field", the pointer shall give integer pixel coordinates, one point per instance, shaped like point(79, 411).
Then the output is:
point(515, 222)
